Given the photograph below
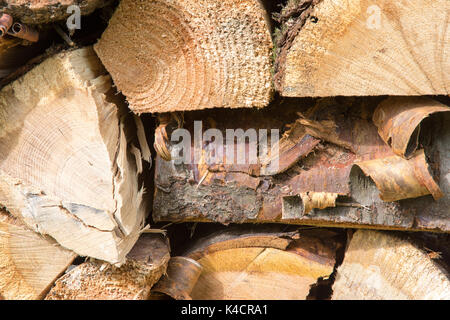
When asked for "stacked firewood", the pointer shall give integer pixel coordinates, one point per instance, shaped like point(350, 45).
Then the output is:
point(224, 149)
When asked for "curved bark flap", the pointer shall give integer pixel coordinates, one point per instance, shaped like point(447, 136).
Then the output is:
point(182, 275)
point(399, 119)
point(397, 178)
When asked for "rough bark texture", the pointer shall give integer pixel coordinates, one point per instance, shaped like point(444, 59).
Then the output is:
point(364, 48)
point(94, 280)
point(378, 265)
point(65, 164)
point(45, 11)
point(188, 55)
point(202, 192)
point(29, 263)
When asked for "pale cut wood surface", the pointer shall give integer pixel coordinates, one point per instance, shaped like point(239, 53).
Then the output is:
point(366, 47)
point(96, 280)
point(29, 262)
point(170, 55)
point(381, 266)
point(63, 158)
point(236, 267)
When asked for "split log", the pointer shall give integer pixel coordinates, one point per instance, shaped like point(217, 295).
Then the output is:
point(250, 264)
point(188, 55)
point(46, 11)
point(318, 186)
point(96, 280)
point(379, 265)
point(363, 48)
point(29, 263)
point(65, 165)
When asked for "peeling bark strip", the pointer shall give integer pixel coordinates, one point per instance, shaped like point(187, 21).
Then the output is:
point(182, 275)
point(382, 266)
point(347, 138)
point(364, 48)
point(262, 263)
point(399, 121)
point(96, 280)
point(398, 179)
point(46, 11)
point(189, 55)
point(29, 263)
point(64, 167)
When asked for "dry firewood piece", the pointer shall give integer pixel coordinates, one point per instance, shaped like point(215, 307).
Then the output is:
point(96, 280)
point(398, 120)
point(364, 48)
point(235, 266)
point(398, 178)
point(64, 166)
point(29, 263)
point(189, 55)
point(189, 192)
point(45, 11)
point(379, 265)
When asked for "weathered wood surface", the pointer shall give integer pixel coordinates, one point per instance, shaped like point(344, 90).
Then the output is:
point(45, 11)
point(29, 262)
point(65, 165)
point(186, 55)
point(201, 192)
point(363, 48)
point(239, 263)
point(378, 265)
point(96, 280)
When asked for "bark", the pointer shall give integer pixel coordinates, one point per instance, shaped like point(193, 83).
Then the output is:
point(319, 189)
point(46, 11)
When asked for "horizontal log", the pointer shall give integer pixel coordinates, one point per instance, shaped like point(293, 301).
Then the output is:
point(46, 11)
point(322, 180)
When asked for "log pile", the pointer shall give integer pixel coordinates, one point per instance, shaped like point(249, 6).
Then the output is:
point(224, 149)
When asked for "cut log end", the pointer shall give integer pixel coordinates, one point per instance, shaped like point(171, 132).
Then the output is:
point(363, 48)
point(179, 56)
point(378, 265)
point(64, 162)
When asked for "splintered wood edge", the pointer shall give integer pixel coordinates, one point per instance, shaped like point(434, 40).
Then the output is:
point(75, 74)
